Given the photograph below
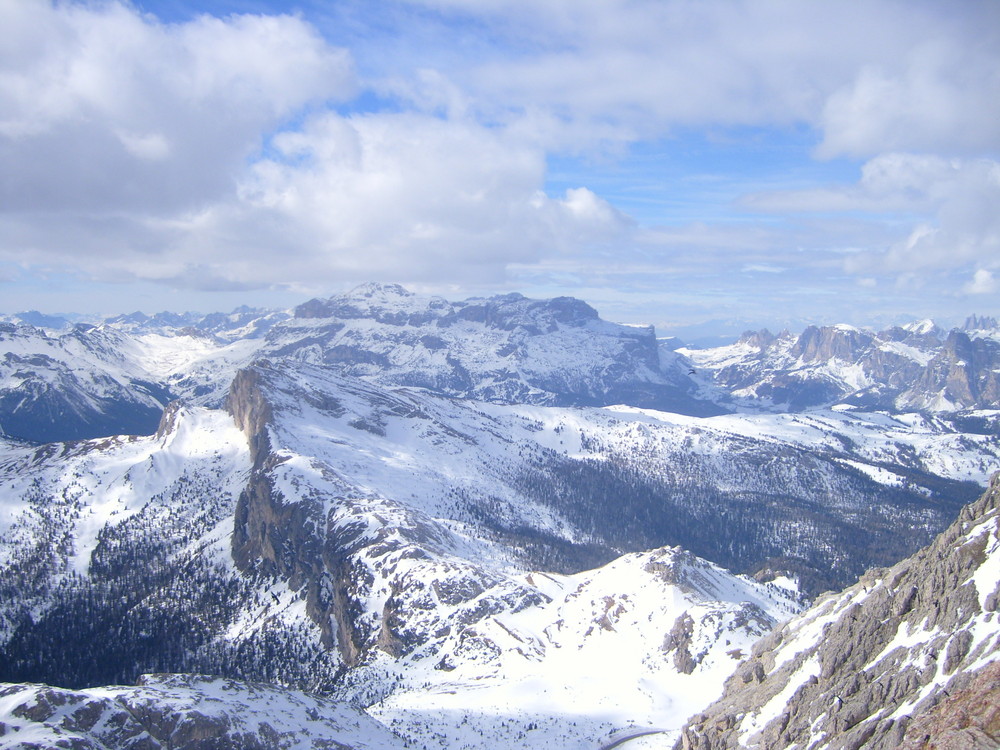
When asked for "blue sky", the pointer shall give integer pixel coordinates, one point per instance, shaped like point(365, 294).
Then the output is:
point(760, 162)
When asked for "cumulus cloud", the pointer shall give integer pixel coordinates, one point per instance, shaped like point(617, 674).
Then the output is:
point(887, 76)
point(187, 153)
point(106, 110)
point(198, 153)
point(944, 97)
point(411, 196)
point(947, 207)
point(394, 196)
point(983, 282)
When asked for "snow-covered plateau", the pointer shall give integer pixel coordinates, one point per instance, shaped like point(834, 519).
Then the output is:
point(494, 523)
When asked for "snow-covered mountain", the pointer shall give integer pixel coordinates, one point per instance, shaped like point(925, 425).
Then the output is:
point(504, 349)
point(918, 367)
point(336, 535)
point(114, 378)
point(498, 522)
point(184, 711)
point(88, 382)
point(643, 641)
point(242, 323)
point(340, 537)
point(909, 657)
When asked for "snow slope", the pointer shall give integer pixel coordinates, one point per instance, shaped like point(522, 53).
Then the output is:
point(184, 711)
point(644, 641)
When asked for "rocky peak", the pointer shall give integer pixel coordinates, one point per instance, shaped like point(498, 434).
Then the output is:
point(922, 327)
point(920, 336)
point(249, 406)
point(831, 342)
point(512, 311)
point(981, 323)
point(378, 290)
point(184, 711)
point(314, 308)
point(385, 303)
point(873, 666)
point(506, 348)
point(760, 339)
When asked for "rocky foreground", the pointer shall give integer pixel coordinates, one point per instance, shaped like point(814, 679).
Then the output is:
point(908, 657)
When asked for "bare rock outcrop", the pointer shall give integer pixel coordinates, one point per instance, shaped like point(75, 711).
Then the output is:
point(907, 657)
point(341, 546)
point(183, 712)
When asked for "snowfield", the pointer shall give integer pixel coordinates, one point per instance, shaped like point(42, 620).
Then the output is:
point(496, 523)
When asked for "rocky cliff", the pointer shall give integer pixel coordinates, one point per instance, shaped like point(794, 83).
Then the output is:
point(908, 657)
point(503, 349)
point(919, 367)
point(361, 560)
point(192, 712)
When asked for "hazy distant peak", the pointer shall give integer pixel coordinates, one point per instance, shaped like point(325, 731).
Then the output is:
point(377, 289)
point(921, 326)
point(981, 323)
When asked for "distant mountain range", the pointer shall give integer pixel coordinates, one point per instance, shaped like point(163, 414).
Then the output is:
point(914, 368)
point(454, 515)
point(95, 381)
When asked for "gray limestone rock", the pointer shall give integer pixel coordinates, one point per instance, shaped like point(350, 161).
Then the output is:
point(890, 662)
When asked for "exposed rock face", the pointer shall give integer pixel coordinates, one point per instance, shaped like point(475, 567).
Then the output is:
point(505, 349)
point(183, 712)
point(344, 547)
point(907, 657)
point(830, 342)
point(981, 323)
point(916, 367)
point(964, 371)
point(967, 719)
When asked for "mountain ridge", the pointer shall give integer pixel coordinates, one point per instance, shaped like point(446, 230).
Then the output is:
point(434, 509)
point(871, 666)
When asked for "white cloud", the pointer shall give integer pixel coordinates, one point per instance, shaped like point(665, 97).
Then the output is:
point(206, 154)
point(141, 142)
point(964, 226)
point(106, 110)
point(151, 146)
point(409, 197)
point(885, 76)
point(946, 209)
point(982, 282)
point(944, 96)
point(891, 182)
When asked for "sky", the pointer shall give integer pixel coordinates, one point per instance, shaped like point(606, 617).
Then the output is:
point(736, 163)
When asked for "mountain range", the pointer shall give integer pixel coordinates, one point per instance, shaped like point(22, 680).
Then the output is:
point(498, 521)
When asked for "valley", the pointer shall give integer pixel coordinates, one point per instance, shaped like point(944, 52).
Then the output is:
point(497, 522)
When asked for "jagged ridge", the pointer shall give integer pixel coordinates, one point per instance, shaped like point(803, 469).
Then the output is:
point(882, 664)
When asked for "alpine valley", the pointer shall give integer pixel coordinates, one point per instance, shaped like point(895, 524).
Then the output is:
point(387, 520)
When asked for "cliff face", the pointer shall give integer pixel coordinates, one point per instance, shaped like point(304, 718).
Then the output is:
point(830, 342)
point(964, 371)
point(277, 536)
point(361, 561)
point(917, 368)
point(907, 656)
point(504, 349)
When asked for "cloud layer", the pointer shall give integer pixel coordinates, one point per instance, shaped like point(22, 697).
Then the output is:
point(253, 151)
